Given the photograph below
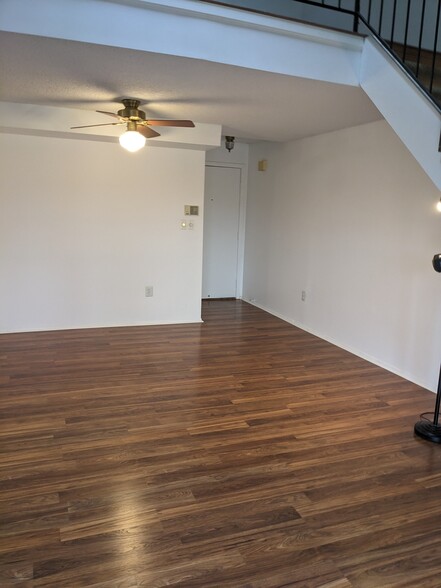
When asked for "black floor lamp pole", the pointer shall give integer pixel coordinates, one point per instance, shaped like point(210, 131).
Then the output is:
point(438, 400)
point(424, 428)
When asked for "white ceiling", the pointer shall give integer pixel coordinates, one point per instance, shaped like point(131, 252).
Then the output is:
point(249, 104)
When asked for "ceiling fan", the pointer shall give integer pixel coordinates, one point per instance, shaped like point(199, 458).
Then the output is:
point(138, 126)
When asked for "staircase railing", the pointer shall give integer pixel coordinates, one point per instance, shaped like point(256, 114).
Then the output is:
point(408, 30)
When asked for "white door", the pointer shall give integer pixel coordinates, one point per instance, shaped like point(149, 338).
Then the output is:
point(221, 232)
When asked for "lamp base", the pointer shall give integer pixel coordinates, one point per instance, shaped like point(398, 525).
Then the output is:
point(428, 431)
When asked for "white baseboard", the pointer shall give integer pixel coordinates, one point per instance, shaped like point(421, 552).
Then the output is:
point(375, 360)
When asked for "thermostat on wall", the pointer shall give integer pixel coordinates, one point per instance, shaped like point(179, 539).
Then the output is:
point(191, 210)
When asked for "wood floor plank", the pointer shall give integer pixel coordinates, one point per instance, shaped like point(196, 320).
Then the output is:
point(238, 453)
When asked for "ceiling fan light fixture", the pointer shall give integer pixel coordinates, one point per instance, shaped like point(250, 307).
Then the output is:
point(138, 126)
point(132, 141)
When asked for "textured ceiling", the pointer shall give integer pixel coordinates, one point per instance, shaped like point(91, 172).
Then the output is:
point(250, 104)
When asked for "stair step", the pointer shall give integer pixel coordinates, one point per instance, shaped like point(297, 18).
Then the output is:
point(423, 69)
point(412, 53)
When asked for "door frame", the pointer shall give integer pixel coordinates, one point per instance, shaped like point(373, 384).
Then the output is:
point(241, 221)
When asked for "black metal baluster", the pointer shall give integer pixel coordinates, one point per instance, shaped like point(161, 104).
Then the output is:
point(369, 12)
point(356, 13)
point(381, 18)
point(435, 46)
point(423, 13)
point(406, 31)
point(393, 25)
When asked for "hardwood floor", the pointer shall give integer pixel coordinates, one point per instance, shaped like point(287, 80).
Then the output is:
point(240, 453)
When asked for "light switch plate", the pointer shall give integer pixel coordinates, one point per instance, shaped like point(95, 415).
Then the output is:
point(191, 210)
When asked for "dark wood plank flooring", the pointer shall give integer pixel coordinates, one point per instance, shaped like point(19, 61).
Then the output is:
point(240, 453)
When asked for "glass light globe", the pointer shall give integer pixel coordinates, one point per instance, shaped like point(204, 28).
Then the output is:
point(438, 206)
point(132, 141)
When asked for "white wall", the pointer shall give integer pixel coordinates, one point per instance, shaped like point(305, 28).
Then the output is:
point(85, 226)
point(350, 218)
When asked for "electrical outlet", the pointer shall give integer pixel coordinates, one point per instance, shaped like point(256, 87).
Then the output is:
point(303, 295)
point(148, 291)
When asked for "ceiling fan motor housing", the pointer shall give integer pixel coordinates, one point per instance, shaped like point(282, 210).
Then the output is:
point(136, 121)
point(131, 111)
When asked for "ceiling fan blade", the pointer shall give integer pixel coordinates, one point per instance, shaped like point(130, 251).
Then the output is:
point(100, 125)
point(170, 123)
point(147, 132)
point(109, 113)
